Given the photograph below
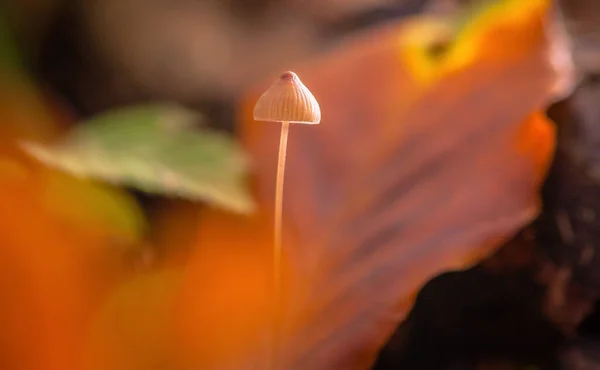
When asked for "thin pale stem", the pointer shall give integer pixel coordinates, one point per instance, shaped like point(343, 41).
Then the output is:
point(278, 235)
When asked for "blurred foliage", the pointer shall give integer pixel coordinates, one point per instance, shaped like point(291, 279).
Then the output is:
point(9, 54)
point(157, 149)
point(106, 207)
point(57, 223)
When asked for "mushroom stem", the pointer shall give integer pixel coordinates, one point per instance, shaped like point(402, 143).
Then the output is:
point(285, 129)
point(278, 235)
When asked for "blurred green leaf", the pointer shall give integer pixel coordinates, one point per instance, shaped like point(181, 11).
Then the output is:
point(157, 149)
point(95, 205)
point(10, 58)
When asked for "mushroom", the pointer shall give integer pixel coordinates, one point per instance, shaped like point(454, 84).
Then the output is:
point(286, 101)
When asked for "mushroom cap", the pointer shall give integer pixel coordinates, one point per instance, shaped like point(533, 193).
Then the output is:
point(288, 100)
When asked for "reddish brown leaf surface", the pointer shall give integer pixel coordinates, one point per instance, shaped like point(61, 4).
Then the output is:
point(407, 176)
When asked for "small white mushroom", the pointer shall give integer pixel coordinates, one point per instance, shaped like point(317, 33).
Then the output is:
point(286, 101)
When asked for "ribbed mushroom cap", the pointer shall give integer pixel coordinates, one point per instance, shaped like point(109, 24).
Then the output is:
point(288, 100)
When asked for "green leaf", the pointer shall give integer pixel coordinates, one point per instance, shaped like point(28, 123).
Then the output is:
point(87, 204)
point(157, 149)
point(10, 58)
